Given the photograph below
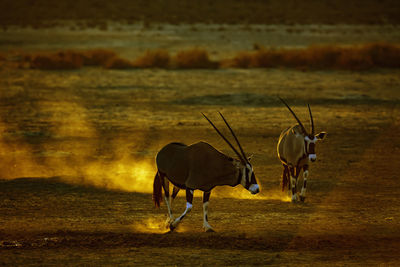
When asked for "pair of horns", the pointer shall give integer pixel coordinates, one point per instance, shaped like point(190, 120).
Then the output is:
point(242, 156)
point(301, 125)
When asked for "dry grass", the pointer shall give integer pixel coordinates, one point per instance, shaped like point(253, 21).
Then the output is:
point(195, 58)
point(363, 57)
point(379, 55)
point(56, 61)
point(66, 60)
point(153, 59)
point(97, 57)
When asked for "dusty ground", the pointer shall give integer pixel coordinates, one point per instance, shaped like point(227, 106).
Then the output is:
point(77, 151)
point(104, 127)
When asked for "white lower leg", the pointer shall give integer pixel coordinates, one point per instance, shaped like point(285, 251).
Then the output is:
point(303, 189)
point(206, 225)
point(170, 215)
point(187, 210)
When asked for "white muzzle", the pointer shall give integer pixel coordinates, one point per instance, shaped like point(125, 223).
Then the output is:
point(312, 157)
point(254, 188)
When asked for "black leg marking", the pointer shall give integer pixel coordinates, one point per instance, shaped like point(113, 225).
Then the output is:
point(291, 171)
point(189, 195)
point(165, 185)
point(206, 196)
point(297, 171)
point(175, 192)
point(294, 190)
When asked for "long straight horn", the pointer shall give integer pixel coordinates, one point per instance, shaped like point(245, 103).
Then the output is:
point(223, 137)
point(234, 135)
point(294, 115)
point(312, 121)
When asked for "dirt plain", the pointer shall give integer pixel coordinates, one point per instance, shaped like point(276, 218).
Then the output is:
point(77, 151)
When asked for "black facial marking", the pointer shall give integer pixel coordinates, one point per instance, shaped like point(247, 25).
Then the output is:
point(247, 178)
point(253, 179)
point(311, 148)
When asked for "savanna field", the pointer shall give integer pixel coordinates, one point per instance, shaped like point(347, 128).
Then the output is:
point(88, 97)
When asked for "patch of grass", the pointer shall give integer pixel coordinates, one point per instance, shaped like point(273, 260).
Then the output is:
point(379, 55)
point(241, 60)
point(362, 57)
point(384, 55)
point(97, 57)
point(153, 59)
point(57, 61)
point(195, 58)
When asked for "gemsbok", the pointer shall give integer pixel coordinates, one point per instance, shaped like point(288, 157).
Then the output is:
point(199, 167)
point(296, 148)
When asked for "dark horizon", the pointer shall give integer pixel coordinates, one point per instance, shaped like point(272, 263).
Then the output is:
point(46, 13)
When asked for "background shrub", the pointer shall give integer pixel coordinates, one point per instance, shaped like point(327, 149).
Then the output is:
point(195, 58)
point(153, 59)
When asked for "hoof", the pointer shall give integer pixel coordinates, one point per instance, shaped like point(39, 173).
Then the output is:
point(171, 227)
point(168, 222)
point(209, 230)
point(302, 198)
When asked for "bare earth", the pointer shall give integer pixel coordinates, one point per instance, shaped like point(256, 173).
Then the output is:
point(77, 153)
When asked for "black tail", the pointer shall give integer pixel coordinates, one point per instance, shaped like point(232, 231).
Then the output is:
point(157, 190)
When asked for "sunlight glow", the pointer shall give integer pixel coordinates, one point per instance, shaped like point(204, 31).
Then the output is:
point(157, 226)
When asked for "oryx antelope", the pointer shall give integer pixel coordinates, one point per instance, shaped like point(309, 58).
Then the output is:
point(199, 167)
point(296, 148)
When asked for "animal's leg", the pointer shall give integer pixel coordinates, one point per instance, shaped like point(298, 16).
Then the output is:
point(175, 192)
point(165, 184)
point(293, 184)
point(303, 189)
point(206, 225)
point(285, 178)
point(189, 201)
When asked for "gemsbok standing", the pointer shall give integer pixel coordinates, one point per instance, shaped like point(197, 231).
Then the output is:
point(296, 148)
point(199, 167)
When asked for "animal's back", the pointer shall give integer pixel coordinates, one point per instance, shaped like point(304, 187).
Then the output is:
point(172, 160)
point(209, 167)
point(291, 145)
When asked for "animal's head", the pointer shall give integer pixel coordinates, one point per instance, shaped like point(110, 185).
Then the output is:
point(310, 141)
point(310, 138)
point(246, 173)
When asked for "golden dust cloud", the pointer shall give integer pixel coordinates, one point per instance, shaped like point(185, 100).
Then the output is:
point(151, 225)
point(72, 155)
point(156, 225)
point(242, 193)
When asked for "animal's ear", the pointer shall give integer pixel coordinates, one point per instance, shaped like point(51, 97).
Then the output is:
point(249, 157)
point(321, 135)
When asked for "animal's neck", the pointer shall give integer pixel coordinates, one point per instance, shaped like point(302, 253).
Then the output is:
point(239, 176)
point(232, 179)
